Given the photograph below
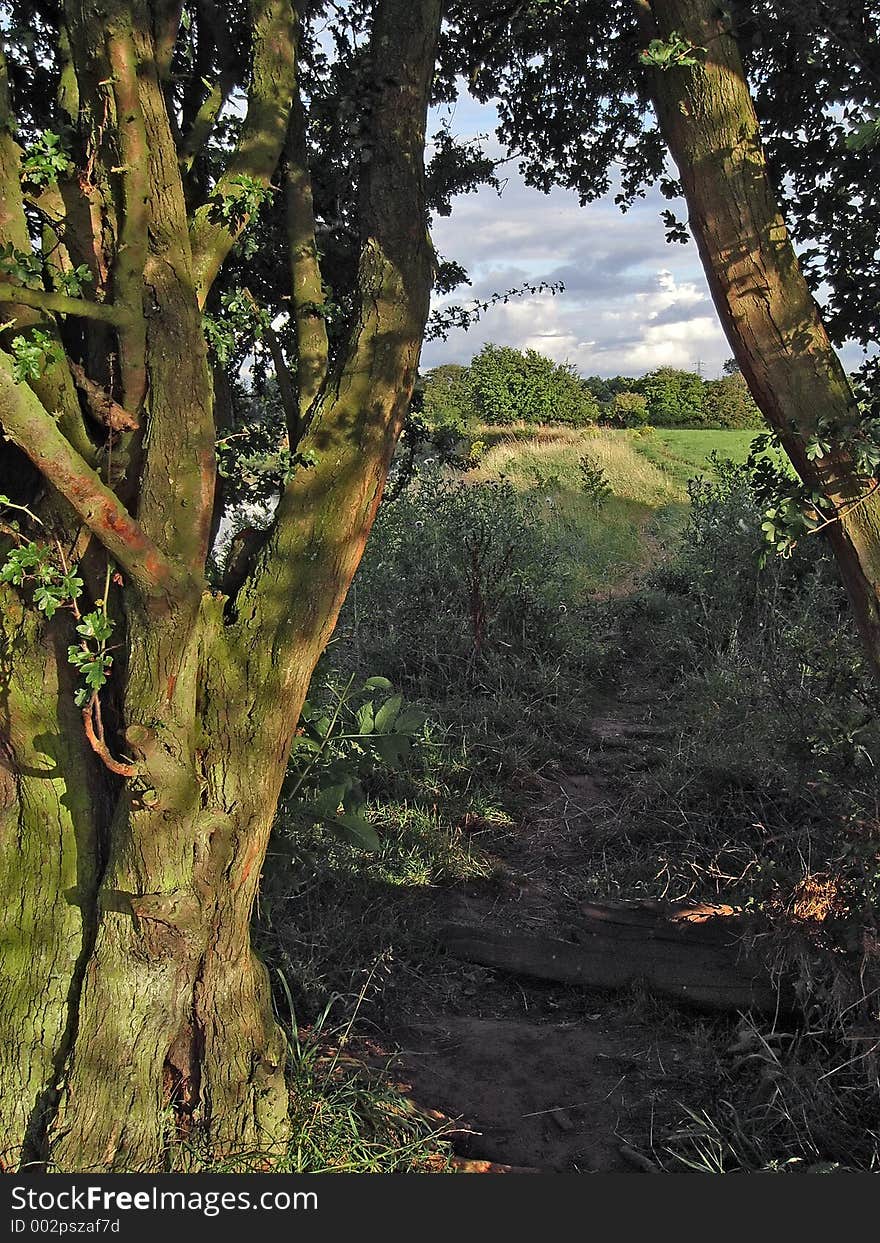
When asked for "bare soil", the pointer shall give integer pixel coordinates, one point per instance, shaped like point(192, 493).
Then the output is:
point(553, 1079)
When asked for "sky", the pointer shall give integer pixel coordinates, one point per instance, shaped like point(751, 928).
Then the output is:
point(632, 301)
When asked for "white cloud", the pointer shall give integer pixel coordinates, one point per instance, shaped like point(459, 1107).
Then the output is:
point(632, 301)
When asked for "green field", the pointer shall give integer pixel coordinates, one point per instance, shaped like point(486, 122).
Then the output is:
point(628, 532)
point(684, 452)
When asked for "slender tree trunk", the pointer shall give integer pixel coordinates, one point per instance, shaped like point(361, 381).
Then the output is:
point(770, 318)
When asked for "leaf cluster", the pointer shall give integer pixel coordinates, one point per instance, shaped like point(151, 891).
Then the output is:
point(338, 742)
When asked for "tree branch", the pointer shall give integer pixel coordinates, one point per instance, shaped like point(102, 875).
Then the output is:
point(327, 510)
point(261, 140)
point(101, 403)
point(27, 424)
point(166, 23)
point(60, 304)
point(286, 383)
point(198, 130)
point(307, 291)
point(203, 123)
point(54, 386)
point(131, 251)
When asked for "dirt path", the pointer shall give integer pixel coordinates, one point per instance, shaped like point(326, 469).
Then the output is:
point(541, 1076)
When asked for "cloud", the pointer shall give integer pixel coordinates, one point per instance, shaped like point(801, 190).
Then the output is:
point(631, 302)
point(628, 295)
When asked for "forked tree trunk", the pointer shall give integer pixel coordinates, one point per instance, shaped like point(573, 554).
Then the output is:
point(136, 1024)
point(770, 318)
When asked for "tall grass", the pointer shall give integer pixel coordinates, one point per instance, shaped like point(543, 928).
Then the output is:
point(604, 547)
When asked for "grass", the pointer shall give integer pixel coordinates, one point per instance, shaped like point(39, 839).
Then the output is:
point(682, 453)
point(605, 546)
point(332, 912)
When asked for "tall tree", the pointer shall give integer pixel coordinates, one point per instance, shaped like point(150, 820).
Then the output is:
point(769, 315)
point(148, 713)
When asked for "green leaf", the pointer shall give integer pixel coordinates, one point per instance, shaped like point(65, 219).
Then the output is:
point(864, 136)
point(410, 721)
point(366, 718)
point(392, 748)
point(354, 828)
point(378, 684)
point(387, 714)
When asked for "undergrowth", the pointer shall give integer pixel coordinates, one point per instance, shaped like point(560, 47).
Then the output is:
point(486, 601)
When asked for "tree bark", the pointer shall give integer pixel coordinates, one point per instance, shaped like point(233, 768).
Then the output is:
point(711, 963)
point(50, 809)
point(770, 317)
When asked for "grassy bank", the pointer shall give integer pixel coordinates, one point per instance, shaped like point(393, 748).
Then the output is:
point(647, 473)
point(605, 543)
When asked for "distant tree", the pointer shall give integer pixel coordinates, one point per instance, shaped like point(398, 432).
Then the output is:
point(599, 387)
point(675, 398)
point(447, 404)
point(509, 385)
point(731, 367)
point(627, 409)
point(727, 402)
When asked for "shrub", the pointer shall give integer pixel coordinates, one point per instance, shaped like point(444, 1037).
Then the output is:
point(457, 575)
point(780, 738)
point(627, 410)
point(594, 481)
point(509, 385)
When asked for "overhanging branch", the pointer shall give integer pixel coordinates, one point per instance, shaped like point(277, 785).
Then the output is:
point(61, 304)
point(326, 512)
point(131, 256)
point(307, 291)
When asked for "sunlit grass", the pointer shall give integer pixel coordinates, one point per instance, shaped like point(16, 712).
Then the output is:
point(604, 544)
point(682, 453)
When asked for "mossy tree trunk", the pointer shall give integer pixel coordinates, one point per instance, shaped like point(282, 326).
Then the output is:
point(771, 319)
point(136, 1023)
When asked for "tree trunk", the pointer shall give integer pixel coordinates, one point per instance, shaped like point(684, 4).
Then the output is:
point(770, 318)
point(50, 809)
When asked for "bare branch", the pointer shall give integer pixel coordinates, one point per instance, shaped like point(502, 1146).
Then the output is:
point(54, 386)
point(94, 731)
point(60, 304)
point(101, 403)
point(198, 131)
point(307, 291)
point(327, 510)
point(131, 253)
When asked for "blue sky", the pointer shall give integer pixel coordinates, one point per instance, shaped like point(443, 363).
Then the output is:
point(632, 301)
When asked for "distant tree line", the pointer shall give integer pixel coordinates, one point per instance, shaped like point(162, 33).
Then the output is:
point(503, 386)
point(669, 397)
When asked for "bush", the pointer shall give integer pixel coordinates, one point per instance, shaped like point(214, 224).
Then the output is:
point(780, 739)
point(627, 410)
point(674, 398)
point(456, 576)
point(508, 386)
point(594, 481)
point(728, 403)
